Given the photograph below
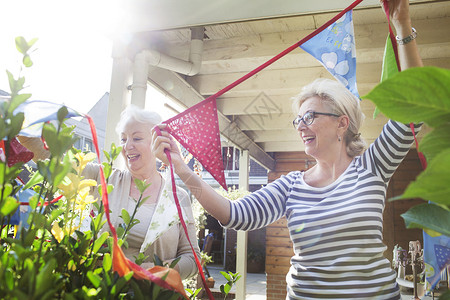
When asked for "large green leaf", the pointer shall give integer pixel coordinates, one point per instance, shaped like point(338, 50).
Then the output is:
point(389, 66)
point(415, 95)
point(435, 142)
point(428, 216)
point(433, 184)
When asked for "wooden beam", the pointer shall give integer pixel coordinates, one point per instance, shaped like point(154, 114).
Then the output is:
point(289, 81)
point(248, 52)
point(273, 104)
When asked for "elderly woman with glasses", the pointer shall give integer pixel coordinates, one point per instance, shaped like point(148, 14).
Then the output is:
point(334, 210)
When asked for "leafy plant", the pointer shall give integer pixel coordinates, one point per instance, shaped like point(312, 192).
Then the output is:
point(48, 256)
point(233, 193)
point(422, 95)
point(231, 278)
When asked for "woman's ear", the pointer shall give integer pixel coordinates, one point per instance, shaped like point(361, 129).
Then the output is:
point(344, 122)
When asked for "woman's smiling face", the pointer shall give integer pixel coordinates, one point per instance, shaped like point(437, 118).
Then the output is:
point(135, 140)
point(321, 136)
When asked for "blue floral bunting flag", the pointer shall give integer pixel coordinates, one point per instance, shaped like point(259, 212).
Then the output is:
point(335, 49)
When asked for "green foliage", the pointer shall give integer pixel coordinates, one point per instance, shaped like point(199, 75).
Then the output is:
point(422, 95)
point(231, 278)
point(50, 257)
point(233, 193)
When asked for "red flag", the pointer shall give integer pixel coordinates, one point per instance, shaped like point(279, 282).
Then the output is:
point(197, 129)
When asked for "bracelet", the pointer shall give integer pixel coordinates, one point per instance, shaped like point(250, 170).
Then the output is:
point(407, 39)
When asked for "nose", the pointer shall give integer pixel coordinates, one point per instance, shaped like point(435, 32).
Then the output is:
point(301, 126)
point(128, 144)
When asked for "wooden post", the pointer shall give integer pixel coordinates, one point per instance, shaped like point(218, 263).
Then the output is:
point(119, 95)
point(241, 249)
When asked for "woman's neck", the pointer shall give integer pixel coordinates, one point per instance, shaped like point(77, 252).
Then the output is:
point(326, 172)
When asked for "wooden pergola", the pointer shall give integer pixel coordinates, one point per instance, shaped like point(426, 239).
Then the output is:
point(191, 49)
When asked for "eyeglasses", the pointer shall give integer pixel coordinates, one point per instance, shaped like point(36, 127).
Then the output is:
point(308, 118)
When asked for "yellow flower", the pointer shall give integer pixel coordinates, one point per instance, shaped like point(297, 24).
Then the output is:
point(86, 184)
point(84, 159)
point(57, 232)
point(69, 185)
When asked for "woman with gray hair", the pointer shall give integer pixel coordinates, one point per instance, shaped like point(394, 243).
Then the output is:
point(334, 210)
point(159, 231)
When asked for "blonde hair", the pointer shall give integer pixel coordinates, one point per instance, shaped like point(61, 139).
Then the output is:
point(341, 102)
point(132, 112)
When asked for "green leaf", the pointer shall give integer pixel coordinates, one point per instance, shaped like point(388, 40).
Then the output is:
point(174, 262)
point(107, 156)
point(141, 185)
point(138, 295)
point(9, 279)
point(6, 190)
point(32, 42)
point(22, 45)
point(95, 279)
point(429, 216)
point(107, 169)
point(156, 290)
point(157, 261)
point(389, 67)
point(125, 216)
point(415, 95)
point(27, 62)
point(55, 214)
point(100, 241)
point(226, 275)
point(115, 151)
point(435, 142)
point(226, 288)
point(36, 179)
point(44, 278)
point(107, 262)
point(433, 183)
point(9, 206)
point(15, 85)
point(17, 100)
point(62, 113)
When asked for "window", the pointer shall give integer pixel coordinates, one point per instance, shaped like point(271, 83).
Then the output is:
point(230, 157)
point(84, 143)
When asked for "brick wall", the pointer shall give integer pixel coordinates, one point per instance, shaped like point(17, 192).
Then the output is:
point(276, 286)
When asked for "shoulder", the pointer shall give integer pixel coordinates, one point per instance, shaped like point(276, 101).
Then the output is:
point(183, 196)
point(289, 179)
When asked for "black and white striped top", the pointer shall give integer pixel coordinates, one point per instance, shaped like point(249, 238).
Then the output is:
point(336, 230)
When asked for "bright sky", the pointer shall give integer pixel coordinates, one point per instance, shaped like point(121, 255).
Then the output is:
point(72, 63)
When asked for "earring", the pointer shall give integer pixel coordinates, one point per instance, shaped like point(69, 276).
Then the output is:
point(339, 138)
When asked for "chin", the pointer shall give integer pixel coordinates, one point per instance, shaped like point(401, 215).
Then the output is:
point(311, 152)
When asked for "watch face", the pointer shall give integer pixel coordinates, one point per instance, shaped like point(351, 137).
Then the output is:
point(407, 39)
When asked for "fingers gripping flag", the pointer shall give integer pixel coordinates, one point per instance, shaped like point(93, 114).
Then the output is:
point(335, 49)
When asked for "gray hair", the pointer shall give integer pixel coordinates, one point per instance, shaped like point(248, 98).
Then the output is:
point(134, 113)
point(341, 102)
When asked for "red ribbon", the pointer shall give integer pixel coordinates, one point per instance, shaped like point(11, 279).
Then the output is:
point(180, 214)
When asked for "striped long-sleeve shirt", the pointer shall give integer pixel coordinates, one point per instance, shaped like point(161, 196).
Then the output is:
point(336, 230)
